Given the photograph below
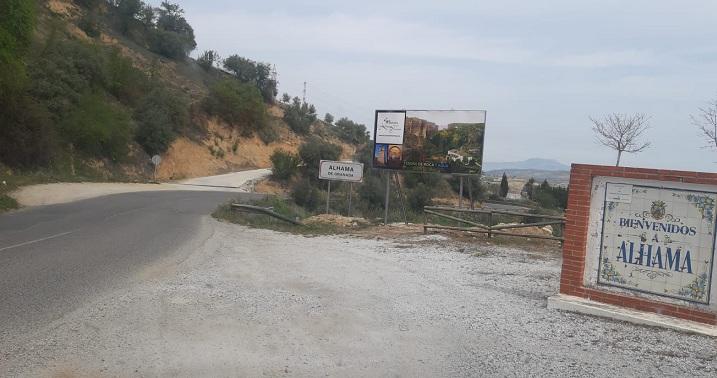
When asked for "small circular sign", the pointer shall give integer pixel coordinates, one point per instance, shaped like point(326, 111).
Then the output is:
point(156, 159)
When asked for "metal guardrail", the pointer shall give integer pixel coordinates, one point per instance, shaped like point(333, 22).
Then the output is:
point(490, 229)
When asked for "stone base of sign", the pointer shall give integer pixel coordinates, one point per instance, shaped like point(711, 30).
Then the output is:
point(585, 306)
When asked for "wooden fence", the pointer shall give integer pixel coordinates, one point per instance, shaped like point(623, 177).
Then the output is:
point(490, 229)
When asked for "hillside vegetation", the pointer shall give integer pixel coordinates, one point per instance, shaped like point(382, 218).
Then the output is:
point(91, 89)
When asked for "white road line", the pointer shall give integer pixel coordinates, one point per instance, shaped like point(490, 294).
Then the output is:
point(36, 240)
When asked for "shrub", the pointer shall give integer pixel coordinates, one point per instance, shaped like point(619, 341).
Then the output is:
point(124, 80)
point(372, 191)
point(478, 189)
point(168, 44)
point(64, 72)
point(350, 131)
point(237, 104)
point(207, 58)
point(284, 165)
point(299, 116)
point(269, 133)
point(306, 195)
point(98, 128)
point(161, 115)
point(26, 136)
point(314, 150)
point(89, 25)
point(256, 73)
point(419, 197)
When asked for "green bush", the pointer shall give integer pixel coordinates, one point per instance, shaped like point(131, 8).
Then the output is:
point(89, 25)
point(419, 197)
point(27, 135)
point(314, 150)
point(124, 80)
point(168, 44)
point(306, 195)
point(161, 115)
point(478, 189)
point(154, 132)
point(207, 58)
point(256, 73)
point(372, 192)
point(284, 165)
point(350, 131)
point(98, 128)
point(64, 72)
point(299, 116)
point(268, 133)
point(237, 104)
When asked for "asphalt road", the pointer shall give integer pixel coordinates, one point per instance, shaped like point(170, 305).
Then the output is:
point(53, 259)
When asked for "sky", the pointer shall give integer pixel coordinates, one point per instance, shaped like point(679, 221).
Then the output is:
point(539, 68)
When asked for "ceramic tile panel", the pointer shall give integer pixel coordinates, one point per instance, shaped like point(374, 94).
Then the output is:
point(658, 240)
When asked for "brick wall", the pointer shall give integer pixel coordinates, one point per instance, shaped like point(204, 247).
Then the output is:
point(576, 233)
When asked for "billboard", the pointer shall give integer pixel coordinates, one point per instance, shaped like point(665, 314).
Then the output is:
point(431, 141)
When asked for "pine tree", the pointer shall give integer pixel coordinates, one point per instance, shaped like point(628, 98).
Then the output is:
point(504, 186)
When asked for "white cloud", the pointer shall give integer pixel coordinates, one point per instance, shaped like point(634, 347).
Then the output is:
point(389, 37)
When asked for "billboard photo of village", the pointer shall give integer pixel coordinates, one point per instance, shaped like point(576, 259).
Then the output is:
point(444, 141)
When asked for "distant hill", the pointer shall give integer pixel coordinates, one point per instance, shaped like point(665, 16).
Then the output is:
point(530, 164)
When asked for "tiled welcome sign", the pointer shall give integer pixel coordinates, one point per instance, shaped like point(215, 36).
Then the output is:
point(658, 240)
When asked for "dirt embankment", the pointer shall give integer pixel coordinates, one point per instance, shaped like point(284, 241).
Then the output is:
point(223, 149)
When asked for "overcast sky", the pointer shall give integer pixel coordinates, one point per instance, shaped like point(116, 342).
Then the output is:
point(539, 68)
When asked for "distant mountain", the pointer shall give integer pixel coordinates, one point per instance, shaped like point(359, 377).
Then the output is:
point(530, 164)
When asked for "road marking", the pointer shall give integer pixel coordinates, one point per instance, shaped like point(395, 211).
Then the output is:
point(36, 240)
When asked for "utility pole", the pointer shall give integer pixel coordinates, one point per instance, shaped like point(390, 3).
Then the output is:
point(304, 96)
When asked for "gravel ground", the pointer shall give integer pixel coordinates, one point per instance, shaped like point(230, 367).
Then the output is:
point(247, 302)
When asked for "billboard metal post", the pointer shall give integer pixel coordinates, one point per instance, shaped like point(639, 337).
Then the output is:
point(328, 197)
point(460, 193)
point(351, 189)
point(470, 193)
point(400, 196)
point(385, 206)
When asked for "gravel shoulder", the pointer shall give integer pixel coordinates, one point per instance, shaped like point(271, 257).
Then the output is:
point(51, 194)
point(248, 302)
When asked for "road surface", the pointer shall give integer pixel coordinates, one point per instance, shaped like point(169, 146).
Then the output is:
point(147, 284)
point(55, 258)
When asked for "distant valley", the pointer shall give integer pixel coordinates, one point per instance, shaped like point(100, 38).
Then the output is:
point(539, 169)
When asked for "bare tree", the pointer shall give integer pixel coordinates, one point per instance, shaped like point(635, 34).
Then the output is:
point(621, 132)
point(706, 121)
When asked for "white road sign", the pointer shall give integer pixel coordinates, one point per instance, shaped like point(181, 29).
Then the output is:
point(156, 159)
point(341, 171)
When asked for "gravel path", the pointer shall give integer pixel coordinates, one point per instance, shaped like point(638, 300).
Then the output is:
point(246, 302)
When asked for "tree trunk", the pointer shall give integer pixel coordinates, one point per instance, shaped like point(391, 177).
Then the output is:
point(619, 153)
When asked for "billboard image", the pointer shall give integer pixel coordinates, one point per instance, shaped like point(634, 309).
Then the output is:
point(435, 141)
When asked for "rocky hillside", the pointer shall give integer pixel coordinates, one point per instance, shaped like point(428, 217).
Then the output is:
point(109, 83)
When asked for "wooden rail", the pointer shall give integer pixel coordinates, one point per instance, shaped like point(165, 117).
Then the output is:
point(264, 210)
point(490, 229)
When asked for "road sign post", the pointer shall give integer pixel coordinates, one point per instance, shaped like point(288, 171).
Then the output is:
point(328, 197)
point(340, 171)
point(156, 159)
